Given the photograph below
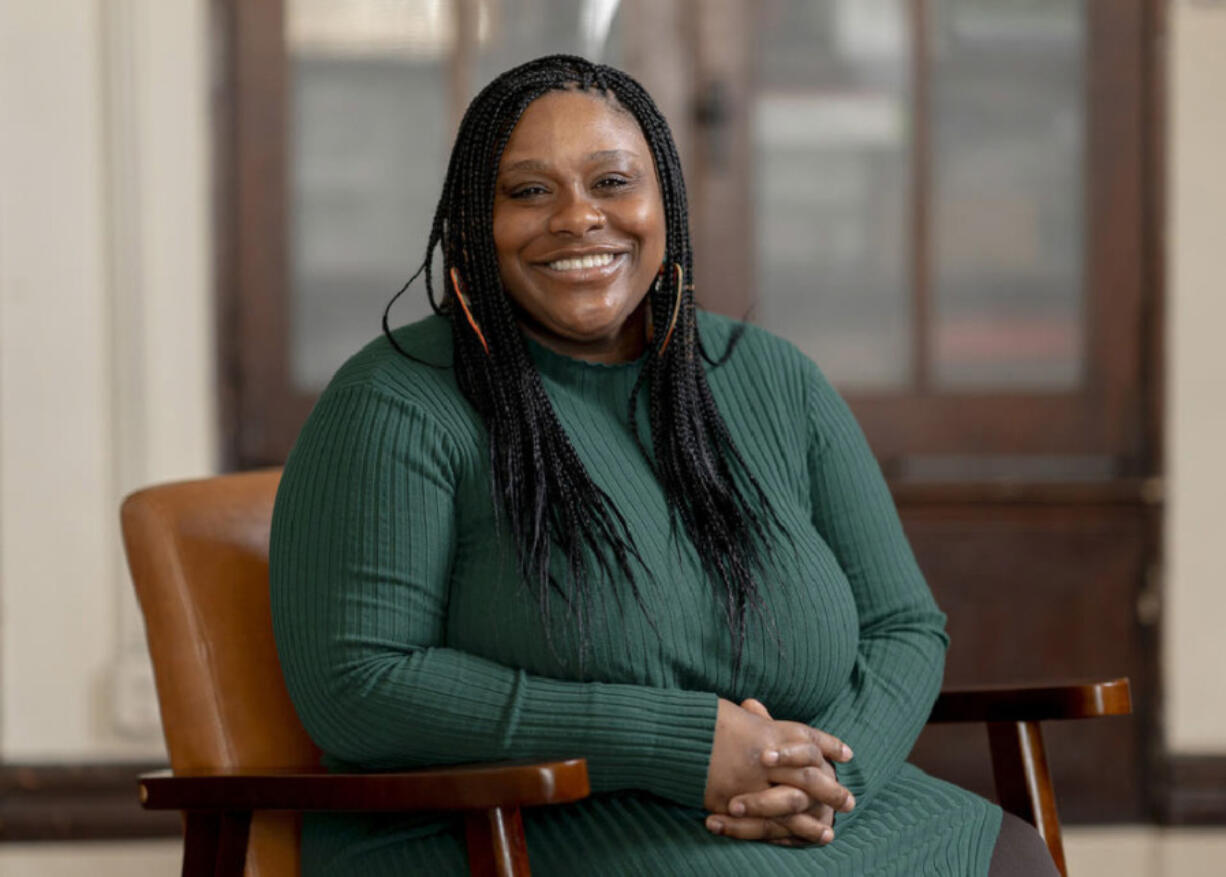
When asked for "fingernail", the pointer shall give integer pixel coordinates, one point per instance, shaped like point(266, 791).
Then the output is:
point(849, 804)
point(847, 753)
point(827, 835)
point(714, 825)
point(737, 808)
point(770, 756)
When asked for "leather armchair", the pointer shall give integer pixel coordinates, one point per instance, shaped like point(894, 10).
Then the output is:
point(243, 767)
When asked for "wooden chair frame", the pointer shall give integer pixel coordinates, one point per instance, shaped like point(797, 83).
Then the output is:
point(219, 805)
point(198, 553)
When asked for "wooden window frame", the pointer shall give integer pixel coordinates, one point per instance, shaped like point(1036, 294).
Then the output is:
point(1108, 415)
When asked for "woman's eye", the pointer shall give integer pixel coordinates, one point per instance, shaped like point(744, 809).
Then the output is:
point(611, 182)
point(527, 191)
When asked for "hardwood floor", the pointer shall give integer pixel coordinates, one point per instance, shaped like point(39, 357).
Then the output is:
point(1110, 851)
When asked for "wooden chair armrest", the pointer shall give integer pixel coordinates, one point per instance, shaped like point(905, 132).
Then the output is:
point(1012, 703)
point(463, 787)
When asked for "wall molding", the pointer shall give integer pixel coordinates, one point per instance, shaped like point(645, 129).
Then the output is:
point(98, 800)
point(86, 801)
point(1195, 792)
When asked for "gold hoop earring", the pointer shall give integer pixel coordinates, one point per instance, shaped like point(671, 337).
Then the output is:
point(672, 323)
point(468, 314)
point(649, 329)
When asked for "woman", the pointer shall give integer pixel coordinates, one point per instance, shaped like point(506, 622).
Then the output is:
point(571, 515)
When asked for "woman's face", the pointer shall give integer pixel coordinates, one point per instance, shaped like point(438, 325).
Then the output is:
point(579, 225)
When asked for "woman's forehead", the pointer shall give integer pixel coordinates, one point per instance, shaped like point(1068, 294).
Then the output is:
point(568, 126)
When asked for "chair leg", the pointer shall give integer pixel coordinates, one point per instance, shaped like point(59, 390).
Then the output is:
point(215, 844)
point(200, 835)
point(232, 844)
point(1023, 783)
point(496, 843)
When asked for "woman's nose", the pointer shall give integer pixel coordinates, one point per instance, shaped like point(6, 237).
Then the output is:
point(576, 215)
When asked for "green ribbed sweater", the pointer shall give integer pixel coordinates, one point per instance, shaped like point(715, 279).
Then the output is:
point(406, 638)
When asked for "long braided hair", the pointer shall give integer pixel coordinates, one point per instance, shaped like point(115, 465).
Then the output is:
point(547, 496)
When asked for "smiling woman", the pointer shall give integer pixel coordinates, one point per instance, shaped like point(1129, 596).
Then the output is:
point(478, 553)
point(579, 225)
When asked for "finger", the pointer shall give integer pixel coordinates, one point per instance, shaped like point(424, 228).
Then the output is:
point(831, 746)
point(799, 751)
point(746, 828)
point(808, 829)
point(815, 783)
point(755, 706)
point(770, 803)
point(801, 754)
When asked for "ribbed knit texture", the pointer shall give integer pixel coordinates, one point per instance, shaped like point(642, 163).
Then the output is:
point(406, 638)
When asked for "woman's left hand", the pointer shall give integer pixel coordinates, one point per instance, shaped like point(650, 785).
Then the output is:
point(784, 814)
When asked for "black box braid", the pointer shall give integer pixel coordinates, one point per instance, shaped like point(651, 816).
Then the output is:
point(548, 498)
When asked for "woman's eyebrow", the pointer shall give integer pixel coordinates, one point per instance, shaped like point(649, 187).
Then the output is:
point(527, 164)
point(607, 154)
point(535, 165)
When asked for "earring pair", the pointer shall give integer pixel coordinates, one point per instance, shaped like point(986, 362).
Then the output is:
point(668, 335)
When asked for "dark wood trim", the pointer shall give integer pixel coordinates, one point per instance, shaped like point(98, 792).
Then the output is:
point(1124, 491)
point(1195, 792)
point(1116, 94)
point(84, 801)
point(1154, 57)
point(921, 194)
point(970, 423)
point(270, 409)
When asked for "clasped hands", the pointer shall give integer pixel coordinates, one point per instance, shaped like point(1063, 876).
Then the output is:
point(773, 780)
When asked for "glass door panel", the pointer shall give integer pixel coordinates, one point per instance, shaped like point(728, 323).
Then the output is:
point(510, 32)
point(368, 117)
point(1008, 135)
point(375, 89)
point(831, 130)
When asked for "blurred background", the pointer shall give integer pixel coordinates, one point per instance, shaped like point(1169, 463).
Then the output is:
point(998, 225)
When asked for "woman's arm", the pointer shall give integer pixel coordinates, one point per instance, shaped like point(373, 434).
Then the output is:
point(901, 655)
point(362, 546)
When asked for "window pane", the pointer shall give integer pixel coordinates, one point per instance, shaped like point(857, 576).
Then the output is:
point(368, 140)
point(831, 177)
point(1008, 129)
point(510, 32)
point(370, 130)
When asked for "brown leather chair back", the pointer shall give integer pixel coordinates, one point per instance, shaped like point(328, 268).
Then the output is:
point(198, 551)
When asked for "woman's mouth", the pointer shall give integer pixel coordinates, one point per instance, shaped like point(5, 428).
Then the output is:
point(600, 260)
point(583, 268)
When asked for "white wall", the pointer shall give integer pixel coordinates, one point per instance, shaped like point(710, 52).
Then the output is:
point(105, 348)
point(1194, 667)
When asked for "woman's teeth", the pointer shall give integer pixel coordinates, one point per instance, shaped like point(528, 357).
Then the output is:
point(599, 261)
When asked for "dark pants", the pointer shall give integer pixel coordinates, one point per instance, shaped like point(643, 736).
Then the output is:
point(1020, 852)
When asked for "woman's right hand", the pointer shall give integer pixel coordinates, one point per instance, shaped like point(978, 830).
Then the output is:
point(751, 752)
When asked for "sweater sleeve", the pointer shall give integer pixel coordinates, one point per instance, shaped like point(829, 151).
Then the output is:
point(901, 653)
point(362, 545)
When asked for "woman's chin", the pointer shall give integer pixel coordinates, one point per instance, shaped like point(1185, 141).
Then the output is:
point(594, 336)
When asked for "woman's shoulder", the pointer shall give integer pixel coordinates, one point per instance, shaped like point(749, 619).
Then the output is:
point(756, 354)
point(425, 377)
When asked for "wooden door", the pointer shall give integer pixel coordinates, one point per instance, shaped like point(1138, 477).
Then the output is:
point(951, 205)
